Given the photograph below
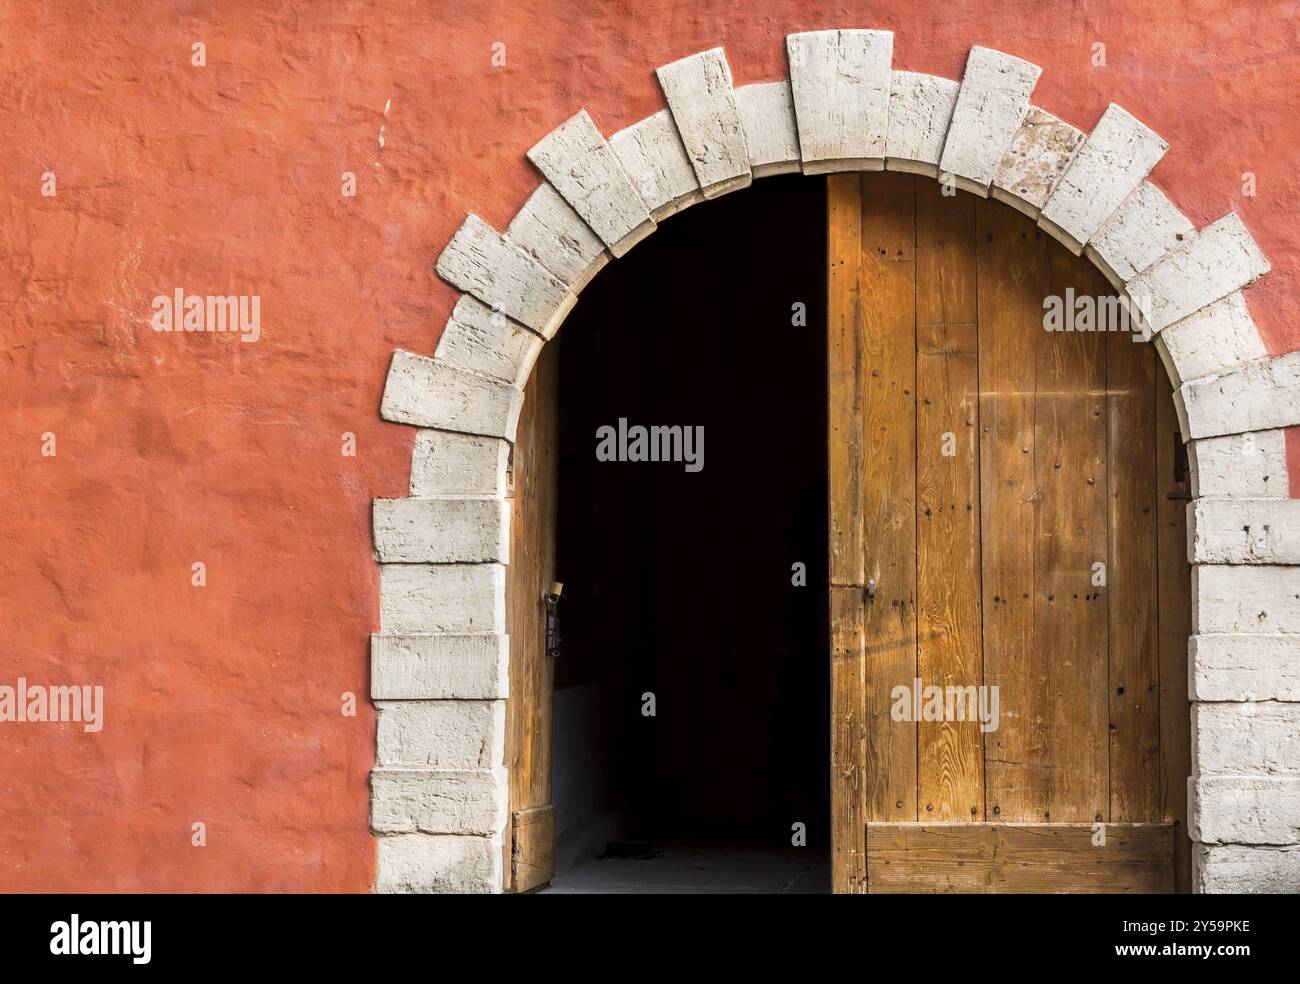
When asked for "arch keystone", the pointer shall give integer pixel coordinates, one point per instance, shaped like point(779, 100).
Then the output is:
point(840, 83)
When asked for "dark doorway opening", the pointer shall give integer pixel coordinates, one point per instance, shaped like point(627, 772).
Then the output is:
point(680, 583)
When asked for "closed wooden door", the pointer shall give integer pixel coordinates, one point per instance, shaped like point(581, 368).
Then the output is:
point(1009, 588)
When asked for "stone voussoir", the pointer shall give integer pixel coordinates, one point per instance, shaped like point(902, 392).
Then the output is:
point(700, 97)
point(991, 104)
point(481, 261)
point(1118, 154)
point(1138, 233)
point(553, 234)
point(1221, 259)
point(1257, 396)
point(1217, 339)
point(442, 530)
point(771, 133)
point(486, 342)
point(651, 153)
point(428, 393)
point(920, 108)
point(840, 82)
point(1040, 151)
point(439, 667)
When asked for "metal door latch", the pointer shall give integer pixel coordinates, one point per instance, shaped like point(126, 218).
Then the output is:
point(552, 600)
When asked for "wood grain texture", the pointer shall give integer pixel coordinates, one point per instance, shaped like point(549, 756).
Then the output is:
point(534, 475)
point(887, 343)
point(949, 646)
point(1014, 276)
point(1173, 488)
point(1071, 623)
point(846, 463)
point(1039, 858)
point(1131, 579)
point(532, 860)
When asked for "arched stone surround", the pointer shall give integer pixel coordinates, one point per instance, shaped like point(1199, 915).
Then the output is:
point(439, 679)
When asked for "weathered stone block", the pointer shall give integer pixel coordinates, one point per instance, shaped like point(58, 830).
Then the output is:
point(427, 393)
point(1244, 809)
point(442, 530)
point(1238, 869)
point(447, 463)
point(1040, 151)
point(920, 107)
point(1257, 396)
point(1216, 339)
point(441, 734)
point(481, 261)
point(771, 134)
point(652, 154)
point(1244, 667)
point(553, 234)
point(991, 105)
point(438, 863)
point(840, 82)
point(484, 341)
point(428, 667)
point(1245, 599)
point(1254, 738)
point(1243, 531)
point(1138, 233)
point(453, 598)
point(439, 801)
point(700, 97)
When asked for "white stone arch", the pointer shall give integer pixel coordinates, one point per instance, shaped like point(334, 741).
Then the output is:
point(439, 675)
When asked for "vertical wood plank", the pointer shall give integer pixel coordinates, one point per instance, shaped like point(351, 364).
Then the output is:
point(1131, 580)
point(951, 753)
point(1013, 277)
point(887, 340)
point(535, 470)
point(1072, 624)
point(845, 465)
point(1173, 489)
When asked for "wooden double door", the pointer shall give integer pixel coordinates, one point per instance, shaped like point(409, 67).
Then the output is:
point(1009, 587)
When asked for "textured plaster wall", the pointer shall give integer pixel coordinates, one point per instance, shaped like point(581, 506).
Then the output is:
point(223, 702)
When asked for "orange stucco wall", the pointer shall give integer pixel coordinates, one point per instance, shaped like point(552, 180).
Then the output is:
point(222, 703)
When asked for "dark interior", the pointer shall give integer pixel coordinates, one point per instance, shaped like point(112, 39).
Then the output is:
point(680, 584)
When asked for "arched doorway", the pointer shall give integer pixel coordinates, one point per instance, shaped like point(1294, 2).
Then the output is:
point(440, 800)
point(997, 694)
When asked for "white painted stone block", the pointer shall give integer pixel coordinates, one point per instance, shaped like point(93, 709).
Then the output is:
point(1255, 738)
point(553, 234)
point(1216, 339)
point(575, 158)
point(446, 463)
point(1259, 395)
point(841, 84)
point(447, 863)
point(1244, 667)
point(1118, 154)
point(767, 114)
point(652, 154)
point(1245, 809)
point(1243, 531)
point(700, 97)
point(1138, 233)
point(424, 392)
point(1245, 599)
point(1238, 869)
point(488, 343)
point(1221, 259)
point(429, 667)
point(454, 598)
point(439, 801)
point(1040, 151)
point(441, 734)
point(920, 107)
point(1251, 466)
point(481, 261)
point(443, 530)
point(991, 105)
